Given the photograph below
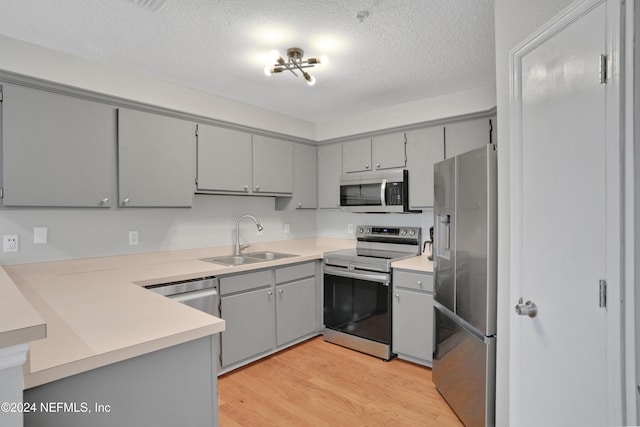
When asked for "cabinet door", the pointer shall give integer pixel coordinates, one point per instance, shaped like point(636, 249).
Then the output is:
point(250, 325)
point(464, 136)
point(56, 150)
point(272, 165)
point(413, 324)
point(295, 310)
point(356, 156)
point(424, 148)
point(156, 160)
point(329, 171)
point(224, 159)
point(304, 180)
point(388, 151)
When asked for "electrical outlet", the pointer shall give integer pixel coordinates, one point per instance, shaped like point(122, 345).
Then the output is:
point(10, 243)
point(287, 229)
point(133, 237)
point(350, 228)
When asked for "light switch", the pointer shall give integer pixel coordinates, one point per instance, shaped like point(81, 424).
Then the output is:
point(40, 235)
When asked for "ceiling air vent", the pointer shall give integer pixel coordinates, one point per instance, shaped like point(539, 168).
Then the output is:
point(152, 5)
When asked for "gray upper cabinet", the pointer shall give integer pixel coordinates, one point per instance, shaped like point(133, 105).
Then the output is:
point(224, 160)
point(272, 165)
point(388, 151)
point(424, 148)
point(235, 162)
point(380, 152)
point(304, 180)
point(356, 156)
point(56, 150)
point(329, 170)
point(156, 160)
point(461, 137)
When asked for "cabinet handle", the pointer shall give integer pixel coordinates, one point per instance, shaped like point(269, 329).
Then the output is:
point(257, 188)
point(420, 283)
point(299, 205)
point(246, 188)
point(398, 296)
point(126, 201)
point(280, 291)
point(104, 201)
point(269, 293)
point(366, 166)
point(378, 165)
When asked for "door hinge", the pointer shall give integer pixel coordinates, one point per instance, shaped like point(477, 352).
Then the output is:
point(603, 69)
point(220, 358)
point(196, 130)
point(603, 293)
point(1, 96)
point(1, 193)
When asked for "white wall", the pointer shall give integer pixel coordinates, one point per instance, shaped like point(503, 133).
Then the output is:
point(436, 108)
point(36, 61)
point(514, 20)
point(82, 233)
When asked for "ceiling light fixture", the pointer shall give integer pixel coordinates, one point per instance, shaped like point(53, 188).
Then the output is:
point(295, 62)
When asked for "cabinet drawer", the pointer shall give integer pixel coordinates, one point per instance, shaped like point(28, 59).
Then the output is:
point(244, 282)
point(295, 272)
point(410, 280)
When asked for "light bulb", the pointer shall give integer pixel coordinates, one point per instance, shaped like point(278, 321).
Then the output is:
point(274, 55)
point(324, 59)
point(267, 71)
point(311, 80)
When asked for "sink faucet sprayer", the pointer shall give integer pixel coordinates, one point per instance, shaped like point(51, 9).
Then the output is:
point(258, 225)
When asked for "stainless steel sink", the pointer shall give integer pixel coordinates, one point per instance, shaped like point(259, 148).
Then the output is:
point(248, 258)
point(269, 256)
point(231, 260)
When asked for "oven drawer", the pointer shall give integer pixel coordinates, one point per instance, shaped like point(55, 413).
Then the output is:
point(412, 280)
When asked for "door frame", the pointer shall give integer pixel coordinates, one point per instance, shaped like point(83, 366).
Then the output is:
point(614, 262)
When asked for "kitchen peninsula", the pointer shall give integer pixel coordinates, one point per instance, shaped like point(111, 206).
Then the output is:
point(112, 342)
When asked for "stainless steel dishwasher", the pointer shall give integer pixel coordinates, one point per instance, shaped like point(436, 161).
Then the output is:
point(201, 294)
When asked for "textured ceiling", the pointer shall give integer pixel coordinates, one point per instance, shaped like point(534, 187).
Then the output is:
point(404, 51)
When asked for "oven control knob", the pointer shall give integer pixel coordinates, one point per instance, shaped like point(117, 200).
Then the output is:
point(360, 230)
point(367, 230)
point(403, 232)
point(412, 233)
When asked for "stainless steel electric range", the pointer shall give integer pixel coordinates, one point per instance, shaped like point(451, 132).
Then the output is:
point(357, 288)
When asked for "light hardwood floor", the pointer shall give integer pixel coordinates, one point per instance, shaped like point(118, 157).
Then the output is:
point(321, 384)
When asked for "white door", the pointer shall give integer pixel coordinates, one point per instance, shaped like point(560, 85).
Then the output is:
point(560, 368)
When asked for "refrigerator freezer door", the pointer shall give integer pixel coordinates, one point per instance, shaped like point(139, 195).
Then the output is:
point(475, 239)
point(444, 248)
point(464, 369)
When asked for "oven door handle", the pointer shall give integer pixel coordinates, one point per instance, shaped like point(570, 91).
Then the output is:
point(372, 277)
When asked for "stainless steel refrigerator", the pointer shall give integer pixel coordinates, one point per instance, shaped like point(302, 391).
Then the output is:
point(465, 249)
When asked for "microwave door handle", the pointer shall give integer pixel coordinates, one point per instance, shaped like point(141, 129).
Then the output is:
point(383, 193)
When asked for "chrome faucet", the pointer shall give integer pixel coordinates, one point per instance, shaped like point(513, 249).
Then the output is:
point(260, 228)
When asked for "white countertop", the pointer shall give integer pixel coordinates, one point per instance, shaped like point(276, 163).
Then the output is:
point(417, 263)
point(97, 312)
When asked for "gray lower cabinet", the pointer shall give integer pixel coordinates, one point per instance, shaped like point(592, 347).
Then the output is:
point(424, 148)
point(304, 180)
point(247, 305)
point(57, 150)
point(266, 310)
point(176, 386)
point(412, 313)
point(156, 160)
point(329, 171)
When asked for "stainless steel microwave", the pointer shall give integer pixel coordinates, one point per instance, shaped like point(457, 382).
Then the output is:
point(379, 191)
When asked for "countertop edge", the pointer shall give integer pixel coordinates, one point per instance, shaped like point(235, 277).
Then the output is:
point(45, 376)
